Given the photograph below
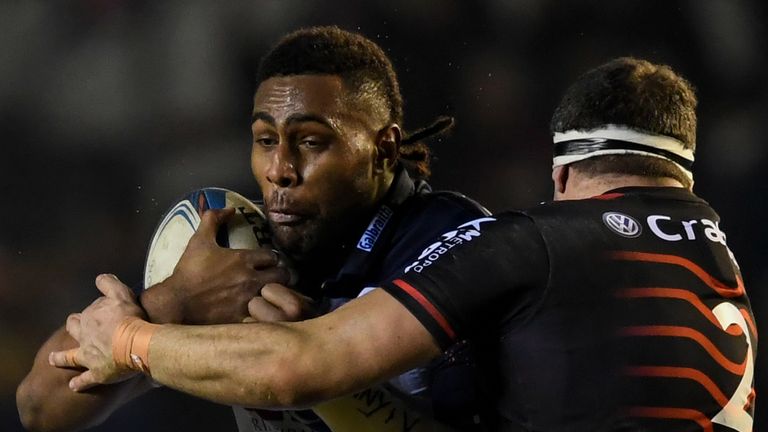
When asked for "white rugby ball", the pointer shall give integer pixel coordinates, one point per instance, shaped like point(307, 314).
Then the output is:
point(247, 229)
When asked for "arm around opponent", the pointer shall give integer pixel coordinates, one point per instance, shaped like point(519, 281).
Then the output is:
point(262, 364)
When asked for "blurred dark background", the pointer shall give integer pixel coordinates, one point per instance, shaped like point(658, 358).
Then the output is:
point(112, 109)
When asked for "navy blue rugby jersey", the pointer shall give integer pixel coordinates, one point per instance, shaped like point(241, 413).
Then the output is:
point(410, 216)
point(624, 312)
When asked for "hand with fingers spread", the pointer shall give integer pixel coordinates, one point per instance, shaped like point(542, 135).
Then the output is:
point(93, 329)
point(280, 303)
point(212, 284)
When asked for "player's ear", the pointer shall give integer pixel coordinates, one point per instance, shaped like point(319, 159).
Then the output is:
point(560, 179)
point(387, 147)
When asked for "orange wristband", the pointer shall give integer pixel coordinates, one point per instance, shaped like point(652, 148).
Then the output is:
point(130, 344)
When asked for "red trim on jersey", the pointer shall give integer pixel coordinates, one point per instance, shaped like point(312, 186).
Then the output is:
point(730, 366)
point(608, 196)
point(721, 288)
point(680, 294)
point(673, 413)
point(429, 307)
point(680, 372)
point(750, 323)
point(750, 401)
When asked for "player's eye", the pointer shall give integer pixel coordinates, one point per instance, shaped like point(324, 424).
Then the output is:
point(311, 142)
point(265, 141)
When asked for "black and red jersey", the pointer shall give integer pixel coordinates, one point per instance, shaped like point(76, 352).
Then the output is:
point(626, 311)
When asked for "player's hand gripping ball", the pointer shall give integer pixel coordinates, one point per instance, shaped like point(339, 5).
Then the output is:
point(205, 264)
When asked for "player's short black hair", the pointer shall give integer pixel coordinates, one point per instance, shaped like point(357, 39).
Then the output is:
point(365, 69)
point(638, 94)
point(362, 65)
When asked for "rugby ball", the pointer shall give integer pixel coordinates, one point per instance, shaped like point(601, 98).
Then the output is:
point(246, 229)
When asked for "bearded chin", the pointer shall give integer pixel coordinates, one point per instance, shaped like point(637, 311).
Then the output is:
point(311, 252)
point(298, 245)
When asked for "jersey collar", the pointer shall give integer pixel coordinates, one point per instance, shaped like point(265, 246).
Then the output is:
point(374, 241)
point(665, 192)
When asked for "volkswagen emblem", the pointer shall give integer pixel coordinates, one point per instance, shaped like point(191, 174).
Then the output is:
point(621, 224)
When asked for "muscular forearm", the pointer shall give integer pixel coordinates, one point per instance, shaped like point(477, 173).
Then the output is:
point(291, 364)
point(265, 365)
point(243, 364)
point(46, 403)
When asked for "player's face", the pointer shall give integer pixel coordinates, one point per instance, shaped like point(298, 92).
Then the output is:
point(313, 157)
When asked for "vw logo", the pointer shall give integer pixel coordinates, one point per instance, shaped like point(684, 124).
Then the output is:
point(621, 224)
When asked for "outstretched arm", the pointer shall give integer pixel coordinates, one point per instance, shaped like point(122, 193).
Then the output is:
point(262, 365)
point(46, 403)
point(293, 364)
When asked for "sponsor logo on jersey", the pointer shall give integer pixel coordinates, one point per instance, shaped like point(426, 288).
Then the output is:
point(621, 224)
point(665, 228)
point(375, 229)
point(463, 234)
point(668, 229)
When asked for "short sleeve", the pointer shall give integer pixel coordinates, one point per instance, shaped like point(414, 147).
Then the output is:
point(485, 273)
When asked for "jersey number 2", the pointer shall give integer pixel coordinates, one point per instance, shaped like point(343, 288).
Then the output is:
point(733, 414)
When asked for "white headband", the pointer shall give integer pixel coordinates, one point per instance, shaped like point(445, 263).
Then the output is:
point(664, 144)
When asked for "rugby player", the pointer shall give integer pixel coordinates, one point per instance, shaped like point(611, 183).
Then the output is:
point(618, 306)
point(332, 163)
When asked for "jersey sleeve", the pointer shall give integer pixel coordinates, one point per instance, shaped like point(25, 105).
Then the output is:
point(431, 216)
point(486, 273)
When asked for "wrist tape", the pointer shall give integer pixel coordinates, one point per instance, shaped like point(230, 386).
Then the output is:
point(130, 344)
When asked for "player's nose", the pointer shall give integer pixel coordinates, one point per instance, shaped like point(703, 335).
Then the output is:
point(283, 167)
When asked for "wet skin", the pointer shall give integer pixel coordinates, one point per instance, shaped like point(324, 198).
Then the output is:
point(319, 160)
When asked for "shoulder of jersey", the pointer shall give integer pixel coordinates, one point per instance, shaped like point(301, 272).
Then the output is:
point(457, 199)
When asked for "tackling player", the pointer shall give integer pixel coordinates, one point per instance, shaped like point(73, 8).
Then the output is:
point(619, 306)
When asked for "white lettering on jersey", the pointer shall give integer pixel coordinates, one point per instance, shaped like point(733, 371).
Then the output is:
point(375, 228)
point(688, 226)
point(653, 224)
point(733, 414)
point(673, 231)
point(622, 225)
point(713, 231)
point(462, 234)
